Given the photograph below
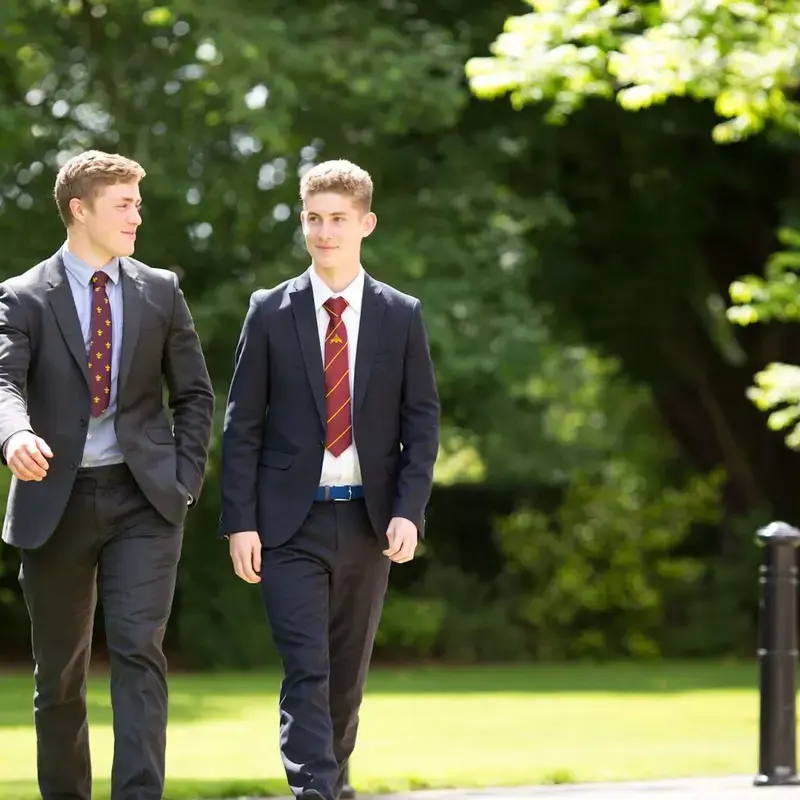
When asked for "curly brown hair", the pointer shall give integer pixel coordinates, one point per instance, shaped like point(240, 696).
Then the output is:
point(341, 177)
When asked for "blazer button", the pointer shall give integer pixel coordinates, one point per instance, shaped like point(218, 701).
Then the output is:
point(83, 422)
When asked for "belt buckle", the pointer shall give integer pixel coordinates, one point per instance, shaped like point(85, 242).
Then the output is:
point(345, 499)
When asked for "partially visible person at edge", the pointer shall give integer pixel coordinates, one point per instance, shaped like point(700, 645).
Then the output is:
point(102, 478)
point(330, 438)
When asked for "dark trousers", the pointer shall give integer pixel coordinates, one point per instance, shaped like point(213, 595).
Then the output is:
point(110, 542)
point(324, 592)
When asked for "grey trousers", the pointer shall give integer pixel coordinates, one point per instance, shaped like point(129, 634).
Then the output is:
point(111, 544)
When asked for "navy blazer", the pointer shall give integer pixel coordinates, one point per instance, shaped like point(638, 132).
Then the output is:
point(274, 431)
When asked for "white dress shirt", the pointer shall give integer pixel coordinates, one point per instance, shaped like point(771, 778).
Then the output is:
point(344, 470)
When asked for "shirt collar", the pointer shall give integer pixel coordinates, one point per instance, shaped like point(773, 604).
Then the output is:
point(82, 272)
point(353, 294)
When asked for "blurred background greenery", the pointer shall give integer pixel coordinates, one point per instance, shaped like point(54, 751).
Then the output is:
point(572, 199)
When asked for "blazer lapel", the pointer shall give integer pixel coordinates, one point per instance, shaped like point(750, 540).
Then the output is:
point(62, 302)
point(132, 303)
point(305, 319)
point(373, 308)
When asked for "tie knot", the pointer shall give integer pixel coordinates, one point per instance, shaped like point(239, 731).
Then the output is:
point(100, 278)
point(335, 306)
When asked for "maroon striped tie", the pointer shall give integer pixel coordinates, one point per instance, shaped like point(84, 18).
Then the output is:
point(339, 433)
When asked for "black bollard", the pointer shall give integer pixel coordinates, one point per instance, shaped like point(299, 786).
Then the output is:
point(348, 792)
point(777, 653)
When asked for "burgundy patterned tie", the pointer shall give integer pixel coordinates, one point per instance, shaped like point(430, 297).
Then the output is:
point(339, 433)
point(100, 347)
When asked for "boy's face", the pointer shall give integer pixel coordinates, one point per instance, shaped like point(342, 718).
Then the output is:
point(334, 226)
point(111, 219)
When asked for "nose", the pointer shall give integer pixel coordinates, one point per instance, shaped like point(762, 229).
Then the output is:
point(135, 217)
point(326, 231)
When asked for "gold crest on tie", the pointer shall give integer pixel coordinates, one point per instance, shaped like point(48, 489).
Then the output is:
point(336, 339)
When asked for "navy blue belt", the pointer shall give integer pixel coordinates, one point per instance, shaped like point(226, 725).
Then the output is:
point(340, 493)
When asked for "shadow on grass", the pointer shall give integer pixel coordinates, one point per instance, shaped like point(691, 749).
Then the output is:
point(654, 677)
point(196, 697)
point(193, 698)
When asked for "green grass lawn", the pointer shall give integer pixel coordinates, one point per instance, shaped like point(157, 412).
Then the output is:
point(439, 728)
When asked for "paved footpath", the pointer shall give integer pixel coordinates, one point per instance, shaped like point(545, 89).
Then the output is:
point(734, 788)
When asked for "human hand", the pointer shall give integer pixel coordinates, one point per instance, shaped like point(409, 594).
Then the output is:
point(26, 455)
point(402, 536)
point(245, 549)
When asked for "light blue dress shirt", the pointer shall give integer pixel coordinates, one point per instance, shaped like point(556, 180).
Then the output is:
point(101, 447)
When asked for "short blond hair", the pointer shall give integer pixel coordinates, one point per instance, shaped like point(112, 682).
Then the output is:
point(341, 177)
point(83, 175)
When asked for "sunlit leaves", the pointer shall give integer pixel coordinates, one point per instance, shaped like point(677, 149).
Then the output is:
point(739, 54)
point(159, 17)
point(557, 53)
point(777, 390)
point(774, 297)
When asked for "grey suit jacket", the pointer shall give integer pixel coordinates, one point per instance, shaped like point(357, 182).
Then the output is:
point(44, 387)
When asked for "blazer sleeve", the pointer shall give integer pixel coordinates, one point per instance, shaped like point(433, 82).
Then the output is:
point(15, 358)
point(419, 425)
point(191, 396)
point(243, 428)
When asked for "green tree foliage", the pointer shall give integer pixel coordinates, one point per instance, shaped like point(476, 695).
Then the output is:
point(596, 579)
point(571, 276)
point(739, 54)
point(664, 220)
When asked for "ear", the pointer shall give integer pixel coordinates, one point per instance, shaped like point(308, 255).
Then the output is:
point(77, 208)
point(368, 224)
